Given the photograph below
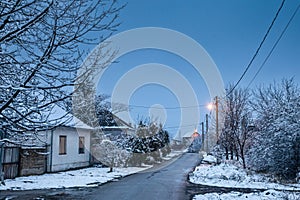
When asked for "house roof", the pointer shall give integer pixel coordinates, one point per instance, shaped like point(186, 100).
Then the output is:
point(188, 134)
point(117, 127)
point(55, 118)
point(61, 117)
point(64, 118)
point(122, 122)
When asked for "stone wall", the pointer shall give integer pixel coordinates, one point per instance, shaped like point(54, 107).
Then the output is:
point(32, 161)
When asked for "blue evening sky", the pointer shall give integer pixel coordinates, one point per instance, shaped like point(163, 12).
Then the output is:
point(230, 31)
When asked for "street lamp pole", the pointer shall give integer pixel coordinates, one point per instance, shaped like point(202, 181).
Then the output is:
point(211, 107)
point(202, 138)
point(206, 134)
point(217, 118)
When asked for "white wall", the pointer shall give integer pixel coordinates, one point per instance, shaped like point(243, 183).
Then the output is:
point(72, 159)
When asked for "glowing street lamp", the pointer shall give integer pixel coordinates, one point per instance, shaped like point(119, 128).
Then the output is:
point(215, 105)
point(210, 106)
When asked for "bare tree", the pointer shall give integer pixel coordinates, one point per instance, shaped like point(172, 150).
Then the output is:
point(42, 44)
point(244, 137)
point(236, 134)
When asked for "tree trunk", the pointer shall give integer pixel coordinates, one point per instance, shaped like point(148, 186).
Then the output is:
point(231, 153)
point(237, 153)
point(243, 158)
point(112, 165)
point(226, 153)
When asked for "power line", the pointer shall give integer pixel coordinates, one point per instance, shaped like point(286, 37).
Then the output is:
point(173, 127)
point(259, 47)
point(189, 125)
point(274, 46)
point(167, 108)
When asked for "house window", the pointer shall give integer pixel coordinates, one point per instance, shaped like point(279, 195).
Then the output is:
point(81, 145)
point(62, 144)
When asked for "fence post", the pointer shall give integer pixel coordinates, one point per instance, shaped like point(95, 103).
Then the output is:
point(1, 168)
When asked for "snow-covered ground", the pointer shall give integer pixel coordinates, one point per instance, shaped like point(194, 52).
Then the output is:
point(266, 195)
point(230, 176)
point(87, 177)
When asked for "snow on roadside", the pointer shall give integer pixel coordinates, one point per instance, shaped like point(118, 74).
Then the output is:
point(173, 154)
point(209, 159)
point(87, 177)
point(266, 195)
point(228, 175)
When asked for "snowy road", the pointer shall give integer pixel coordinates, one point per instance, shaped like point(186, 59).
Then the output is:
point(164, 182)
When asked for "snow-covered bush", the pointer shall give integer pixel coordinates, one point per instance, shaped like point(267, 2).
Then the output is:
point(209, 159)
point(147, 146)
point(220, 172)
point(109, 154)
point(276, 146)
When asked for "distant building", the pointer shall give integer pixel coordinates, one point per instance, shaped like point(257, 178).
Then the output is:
point(191, 140)
point(196, 143)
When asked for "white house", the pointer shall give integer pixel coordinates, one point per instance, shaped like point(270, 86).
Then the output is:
point(61, 147)
point(68, 145)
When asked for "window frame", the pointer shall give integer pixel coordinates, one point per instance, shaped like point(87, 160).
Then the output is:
point(81, 145)
point(62, 148)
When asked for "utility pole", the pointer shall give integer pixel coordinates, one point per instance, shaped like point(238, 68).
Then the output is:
point(217, 119)
point(206, 134)
point(202, 127)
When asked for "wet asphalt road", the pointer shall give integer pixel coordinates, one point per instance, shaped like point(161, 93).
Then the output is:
point(167, 182)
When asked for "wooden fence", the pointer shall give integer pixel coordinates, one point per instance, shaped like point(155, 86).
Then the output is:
point(10, 162)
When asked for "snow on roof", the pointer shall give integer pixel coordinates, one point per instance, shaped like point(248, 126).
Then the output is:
point(62, 117)
point(188, 134)
point(57, 117)
point(119, 120)
point(179, 136)
point(77, 123)
point(116, 127)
